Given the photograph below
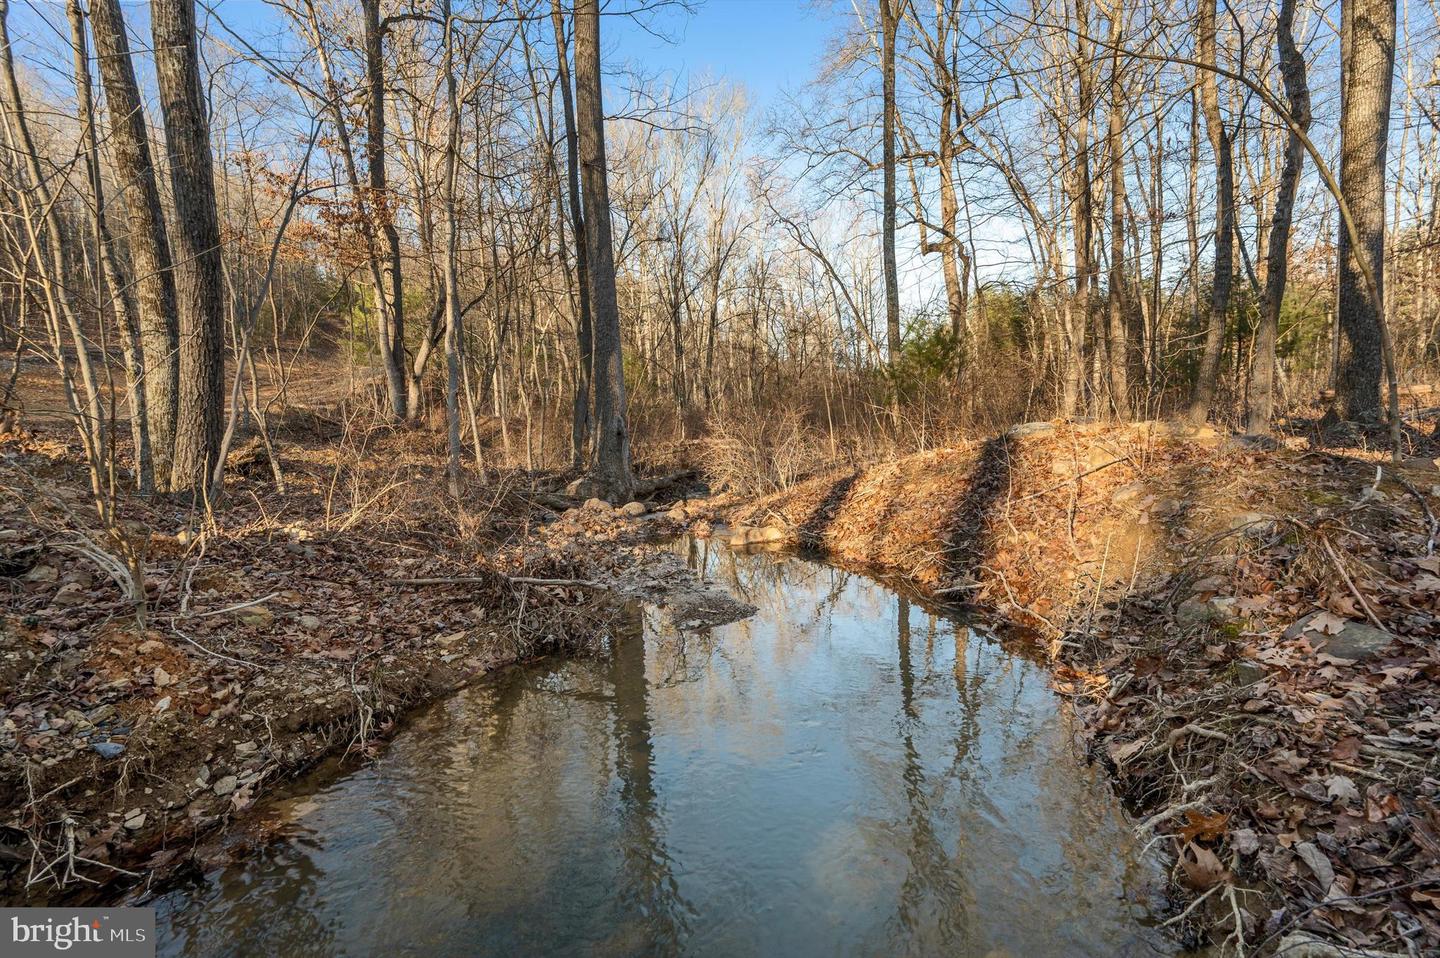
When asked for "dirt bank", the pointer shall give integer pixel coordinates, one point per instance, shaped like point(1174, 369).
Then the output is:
point(281, 630)
point(1251, 635)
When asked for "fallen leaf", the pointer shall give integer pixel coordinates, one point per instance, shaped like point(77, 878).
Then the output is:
point(1202, 827)
point(1202, 869)
point(1245, 841)
point(1319, 866)
point(1342, 789)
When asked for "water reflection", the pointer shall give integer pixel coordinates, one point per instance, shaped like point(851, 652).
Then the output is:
point(843, 773)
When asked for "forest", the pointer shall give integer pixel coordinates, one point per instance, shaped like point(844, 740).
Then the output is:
point(368, 359)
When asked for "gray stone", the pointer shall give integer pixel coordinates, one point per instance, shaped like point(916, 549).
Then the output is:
point(1193, 614)
point(1255, 525)
point(1031, 429)
point(1354, 640)
point(225, 785)
point(108, 749)
point(584, 488)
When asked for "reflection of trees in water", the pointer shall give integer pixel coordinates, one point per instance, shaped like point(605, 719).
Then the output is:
point(648, 881)
point(934, 894)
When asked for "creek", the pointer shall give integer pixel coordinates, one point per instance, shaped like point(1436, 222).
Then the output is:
point(843, 773)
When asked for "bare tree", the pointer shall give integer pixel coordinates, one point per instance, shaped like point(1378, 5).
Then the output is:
point(1262, 369)
point(1205, 52)
point(200, 285)
point(1367, 44)
point(611, 468)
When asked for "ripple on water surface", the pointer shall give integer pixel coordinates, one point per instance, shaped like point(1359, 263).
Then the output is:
point(842, 773)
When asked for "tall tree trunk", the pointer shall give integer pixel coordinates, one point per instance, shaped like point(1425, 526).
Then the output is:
point(1204, 393)
point(382, 207)
point(889, 23)
point(148, 238)
point(450, 270)
point(580, 421)
point(1082, 217)
point(200, 285)
point(611, 467)
point(111, 280)
point(1367, 71)
point(1297, 91)
point(1115, 147)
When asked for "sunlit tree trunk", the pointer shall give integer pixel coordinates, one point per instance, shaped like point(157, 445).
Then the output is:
point(584, 332)
point(611, 466)
point(1204, 393)
point(148, 239)
point(200, 286)
point(1367, 44)
point(112, 283)
point(1262, 372)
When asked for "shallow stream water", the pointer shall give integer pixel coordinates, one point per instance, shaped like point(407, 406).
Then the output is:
point(841, 774)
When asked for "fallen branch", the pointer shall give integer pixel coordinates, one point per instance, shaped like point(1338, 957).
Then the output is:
point(233, 608)
point(513, 579)
point(1339, 567)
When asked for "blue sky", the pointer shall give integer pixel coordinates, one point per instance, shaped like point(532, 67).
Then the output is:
point(766, 45)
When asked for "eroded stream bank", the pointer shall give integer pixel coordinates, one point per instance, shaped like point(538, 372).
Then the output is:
point(843, 772)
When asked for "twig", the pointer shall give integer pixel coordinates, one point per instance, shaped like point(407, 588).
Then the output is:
point(516, 580)
point(1191, 907)
point(1169, 813)
point(1430, 519)
point(218, 655)
point(235, 608)
point(1369, 613)
point(1192, 729)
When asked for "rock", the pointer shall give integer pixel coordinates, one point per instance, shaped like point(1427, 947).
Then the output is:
point(309, 623)
point(1193, 613)
point(1255, 525)
point(225, 785)
point(255, 616)
point(1358, 640)
point(163, 678)
point(1126, 493)
point(634, 509)
point(246, 748)
point(583, 488)
point(69, 595)
point(746, 535)
point(1248, 671)
point(135, 821)
point(1031, 429)
point(108, 749)
point(1214, 583)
